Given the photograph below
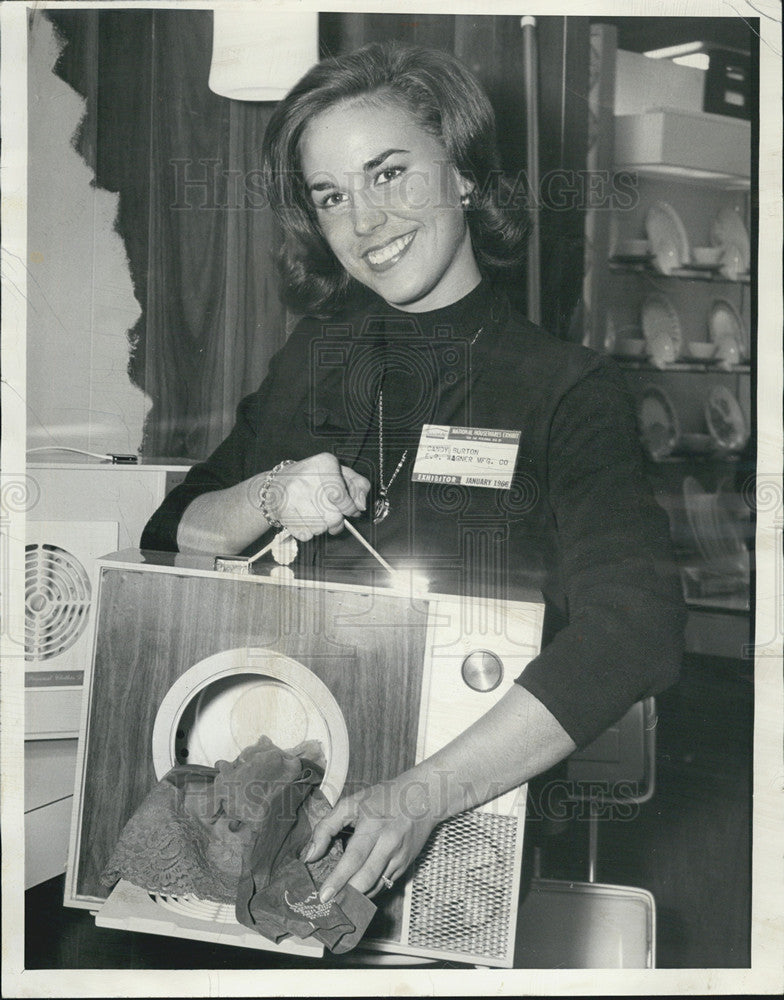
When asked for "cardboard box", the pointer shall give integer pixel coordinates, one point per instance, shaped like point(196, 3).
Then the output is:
point(642, 84)
point(690, 141)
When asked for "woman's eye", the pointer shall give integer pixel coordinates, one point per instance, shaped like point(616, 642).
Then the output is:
point(388, 174)
point(332, 200)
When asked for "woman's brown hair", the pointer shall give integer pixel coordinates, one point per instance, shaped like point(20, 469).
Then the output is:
point(445, 100)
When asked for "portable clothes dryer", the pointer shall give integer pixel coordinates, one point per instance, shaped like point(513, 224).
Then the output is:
point(195, 664)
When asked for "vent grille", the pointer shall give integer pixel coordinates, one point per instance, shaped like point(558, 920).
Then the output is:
point(461, 893)
point(57, 601)
point(196, 909)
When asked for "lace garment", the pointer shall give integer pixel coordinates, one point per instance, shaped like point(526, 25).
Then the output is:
point(233, 833)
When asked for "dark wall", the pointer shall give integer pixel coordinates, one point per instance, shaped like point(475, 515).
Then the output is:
point(492, 48)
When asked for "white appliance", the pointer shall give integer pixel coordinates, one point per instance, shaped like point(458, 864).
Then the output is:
point(82, 511)
point(383, 678)
point(60, 585)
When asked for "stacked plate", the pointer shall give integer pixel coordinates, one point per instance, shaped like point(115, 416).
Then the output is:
point(729, 233)
point(659, 425)
point(667, 238)
point(717, 539)
point(661, 329)
point(728, 333)
point(670, 250)
point(725, 419)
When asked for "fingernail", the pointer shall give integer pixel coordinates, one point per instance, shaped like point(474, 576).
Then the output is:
point(326, 894)
point(308, 853)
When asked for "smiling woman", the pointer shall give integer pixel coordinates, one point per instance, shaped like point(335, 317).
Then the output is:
point(394, 219)
point(402, 139)
point(382, 169)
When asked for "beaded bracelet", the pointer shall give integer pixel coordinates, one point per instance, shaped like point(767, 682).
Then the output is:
point(264, 491)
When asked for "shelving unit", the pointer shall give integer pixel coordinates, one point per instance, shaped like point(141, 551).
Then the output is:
point(683, 365)
point(699, 165)
point(691, 273)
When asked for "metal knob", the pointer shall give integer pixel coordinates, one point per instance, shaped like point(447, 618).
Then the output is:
point(482, 670)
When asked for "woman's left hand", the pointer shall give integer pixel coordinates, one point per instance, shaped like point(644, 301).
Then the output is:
point(391, 820)
point(514, 740)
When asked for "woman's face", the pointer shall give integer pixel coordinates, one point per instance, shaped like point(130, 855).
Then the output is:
point(388, 203)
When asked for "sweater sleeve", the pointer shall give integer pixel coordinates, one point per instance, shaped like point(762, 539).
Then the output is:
point(225, 467)
point(251, 446)
point(626, 615)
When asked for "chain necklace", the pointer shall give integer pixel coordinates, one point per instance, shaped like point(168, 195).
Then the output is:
point(381, 506)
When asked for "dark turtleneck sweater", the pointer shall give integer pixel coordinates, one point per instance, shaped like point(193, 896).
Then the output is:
point(579, 524)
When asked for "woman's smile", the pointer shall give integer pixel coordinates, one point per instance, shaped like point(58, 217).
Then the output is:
point(386, 256)
point(388, 203)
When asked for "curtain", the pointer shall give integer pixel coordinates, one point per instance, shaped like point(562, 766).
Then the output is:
point(199, 240)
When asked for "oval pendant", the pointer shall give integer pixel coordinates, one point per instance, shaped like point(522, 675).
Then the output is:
point(284, 550)
point(380, 510)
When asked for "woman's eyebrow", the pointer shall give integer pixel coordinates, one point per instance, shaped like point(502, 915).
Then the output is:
point(371, 164)
point(367, 167)
point(322, 185)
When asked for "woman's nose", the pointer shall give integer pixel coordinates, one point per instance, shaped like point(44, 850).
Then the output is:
point(366, 214)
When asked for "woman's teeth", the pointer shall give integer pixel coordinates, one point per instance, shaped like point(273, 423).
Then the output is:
point(390, 250)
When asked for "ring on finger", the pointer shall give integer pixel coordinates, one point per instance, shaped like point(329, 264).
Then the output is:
point(388, 882)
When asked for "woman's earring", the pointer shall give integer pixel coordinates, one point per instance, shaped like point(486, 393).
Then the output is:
point(465, 201)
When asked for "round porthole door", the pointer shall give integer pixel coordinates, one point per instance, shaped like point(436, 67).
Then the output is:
point(224, 703)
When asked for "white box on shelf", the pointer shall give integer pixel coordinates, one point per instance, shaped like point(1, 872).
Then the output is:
point(685, 144)
point(642, 83)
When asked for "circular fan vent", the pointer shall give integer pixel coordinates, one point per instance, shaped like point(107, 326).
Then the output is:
point(57, 601)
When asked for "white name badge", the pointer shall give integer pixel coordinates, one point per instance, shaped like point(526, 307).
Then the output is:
point(466, 456)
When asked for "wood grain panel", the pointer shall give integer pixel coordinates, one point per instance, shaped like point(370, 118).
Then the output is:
point(340, 32)
point(152, 627)
point(435, 31)
point(386, 27)
point(564, 49)
point(474, 39)
point(599, 157)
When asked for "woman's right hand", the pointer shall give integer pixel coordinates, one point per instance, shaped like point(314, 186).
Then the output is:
point(315, 495)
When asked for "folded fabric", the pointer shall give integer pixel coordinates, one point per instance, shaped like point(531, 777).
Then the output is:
point(265, 782)
point(279, 898)
point(290, 905)
point(233, 833)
